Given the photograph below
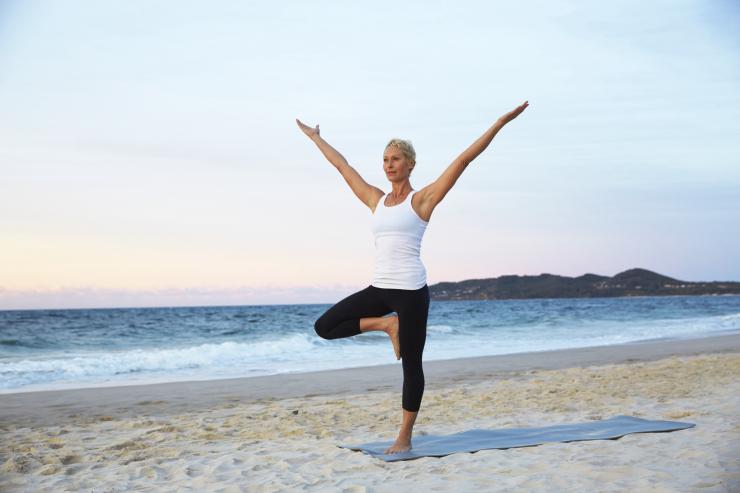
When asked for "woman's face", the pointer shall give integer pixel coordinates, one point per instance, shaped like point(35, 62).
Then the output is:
point(395, 165)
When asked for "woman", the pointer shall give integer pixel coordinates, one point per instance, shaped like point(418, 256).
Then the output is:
point(399, 283)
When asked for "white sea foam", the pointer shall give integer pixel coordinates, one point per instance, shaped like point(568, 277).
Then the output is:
point(441, 329)
point(92, 366)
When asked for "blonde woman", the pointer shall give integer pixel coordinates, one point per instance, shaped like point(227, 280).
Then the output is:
point(399, 282)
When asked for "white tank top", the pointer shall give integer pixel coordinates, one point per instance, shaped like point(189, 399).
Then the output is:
point(398, 232)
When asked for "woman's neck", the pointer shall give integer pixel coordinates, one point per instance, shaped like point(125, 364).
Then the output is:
point(400, 190)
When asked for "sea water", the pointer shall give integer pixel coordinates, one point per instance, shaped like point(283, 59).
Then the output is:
point(74, 348)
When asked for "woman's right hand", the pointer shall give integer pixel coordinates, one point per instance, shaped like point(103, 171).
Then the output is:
point(310, 131)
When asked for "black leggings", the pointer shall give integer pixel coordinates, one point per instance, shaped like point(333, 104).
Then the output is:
point(412, 307)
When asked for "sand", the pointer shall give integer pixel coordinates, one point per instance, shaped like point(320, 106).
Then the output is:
point(281, 433)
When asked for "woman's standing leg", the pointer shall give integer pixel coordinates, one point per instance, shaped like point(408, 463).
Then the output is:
point(343, 319)
point(413, 310)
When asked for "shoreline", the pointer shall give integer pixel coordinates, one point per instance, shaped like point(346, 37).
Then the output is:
point(48, 407)
point(163, 380)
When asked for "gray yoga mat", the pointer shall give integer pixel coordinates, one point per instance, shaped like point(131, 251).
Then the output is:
point(480, 439)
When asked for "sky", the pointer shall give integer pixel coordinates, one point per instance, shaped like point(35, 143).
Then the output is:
point(150, 155)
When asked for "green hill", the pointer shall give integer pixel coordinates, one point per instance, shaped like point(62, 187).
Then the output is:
point(632, 282)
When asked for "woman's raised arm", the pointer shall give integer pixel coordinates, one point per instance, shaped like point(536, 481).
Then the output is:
point(436, 191)
point(364, 191)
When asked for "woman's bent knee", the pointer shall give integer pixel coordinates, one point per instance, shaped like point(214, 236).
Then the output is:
point(320, 327)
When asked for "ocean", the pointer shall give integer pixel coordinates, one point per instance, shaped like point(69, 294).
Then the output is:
point(75, 348)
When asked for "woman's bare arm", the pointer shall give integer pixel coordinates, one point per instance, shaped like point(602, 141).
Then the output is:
point(367, 193)
point(436, 191)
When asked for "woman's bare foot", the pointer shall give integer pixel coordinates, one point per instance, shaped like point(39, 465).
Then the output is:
point(401, 445)
point(392, 331)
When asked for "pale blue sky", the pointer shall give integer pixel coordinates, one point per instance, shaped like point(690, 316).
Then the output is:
point(150, 154)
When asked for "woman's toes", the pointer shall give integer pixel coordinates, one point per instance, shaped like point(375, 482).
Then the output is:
point(398, 447)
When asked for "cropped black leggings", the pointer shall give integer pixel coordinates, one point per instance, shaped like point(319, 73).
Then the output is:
point(412, 307)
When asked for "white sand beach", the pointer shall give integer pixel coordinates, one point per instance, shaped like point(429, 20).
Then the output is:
point(280, 433)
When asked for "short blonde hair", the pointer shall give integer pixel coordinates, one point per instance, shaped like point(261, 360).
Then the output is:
point(405, 147)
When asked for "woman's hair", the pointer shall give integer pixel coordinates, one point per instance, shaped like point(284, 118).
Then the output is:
point(406, 148)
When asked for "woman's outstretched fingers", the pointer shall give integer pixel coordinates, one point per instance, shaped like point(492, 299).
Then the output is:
point(513, 113)
point(310, 131)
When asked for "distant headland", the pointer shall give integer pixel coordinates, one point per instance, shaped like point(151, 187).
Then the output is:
point(632, 282)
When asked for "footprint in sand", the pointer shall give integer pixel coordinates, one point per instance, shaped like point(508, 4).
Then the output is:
point(56, 443)
point(70, 459)
point(73, 470)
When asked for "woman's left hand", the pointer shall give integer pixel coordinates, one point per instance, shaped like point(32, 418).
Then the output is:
point(512, 114)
